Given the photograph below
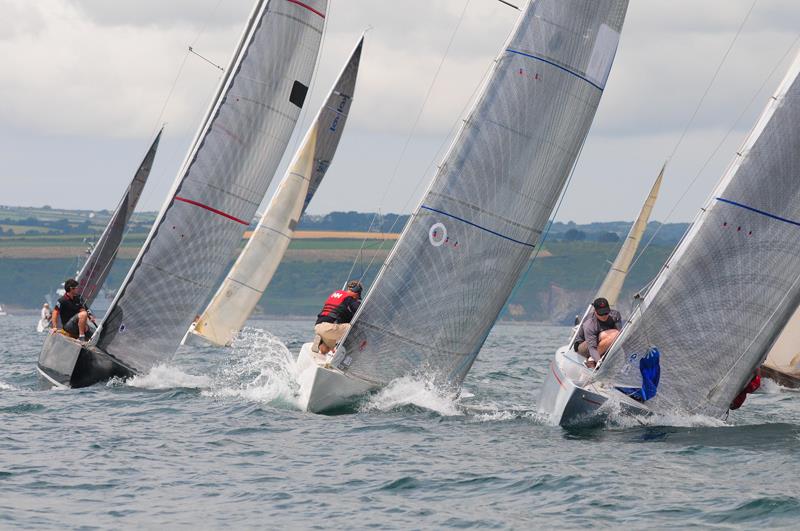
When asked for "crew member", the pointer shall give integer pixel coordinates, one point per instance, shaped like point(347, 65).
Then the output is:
point(597, 332)
point(751, 387)
point(333, 321)
point(74, 313)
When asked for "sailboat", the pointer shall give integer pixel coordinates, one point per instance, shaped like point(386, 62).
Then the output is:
point(568, 364)
point(468, 241)
point(3, 313)
point(783, 361)
point(720, 301)
point(241, 290)
point(224, 177)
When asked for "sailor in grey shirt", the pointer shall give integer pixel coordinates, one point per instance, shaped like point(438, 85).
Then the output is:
point(597, 332)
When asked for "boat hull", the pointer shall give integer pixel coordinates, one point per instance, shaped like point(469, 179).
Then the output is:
point(323, 388)
point(569, 398)
point(66, 363)
point(784, 378)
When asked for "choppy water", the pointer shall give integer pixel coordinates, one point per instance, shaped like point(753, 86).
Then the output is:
point(215, 440)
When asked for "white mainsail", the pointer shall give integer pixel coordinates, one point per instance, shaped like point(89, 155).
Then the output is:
point(615, 278)
point(97, 267)
point(721, 300)
point(216, 193)
point(241, 290)
point(447, 278)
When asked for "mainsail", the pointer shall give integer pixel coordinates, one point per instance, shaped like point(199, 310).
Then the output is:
point(96, 268)
point(225, 176)
point(447, 278)
point(721, 300)
point(615, 278)
point(241, 290)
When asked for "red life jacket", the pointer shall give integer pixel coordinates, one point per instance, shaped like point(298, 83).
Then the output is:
point(334, 301)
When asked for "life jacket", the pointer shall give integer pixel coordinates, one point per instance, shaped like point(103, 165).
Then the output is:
point(334, 302)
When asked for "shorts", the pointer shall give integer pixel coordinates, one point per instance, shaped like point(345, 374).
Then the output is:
point(72, 327)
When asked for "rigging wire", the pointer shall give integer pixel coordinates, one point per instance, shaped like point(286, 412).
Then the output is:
point(715, 151)
point(410, 136)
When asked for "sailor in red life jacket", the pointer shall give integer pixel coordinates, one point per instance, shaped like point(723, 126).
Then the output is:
point(333, 321)
point(751, 387)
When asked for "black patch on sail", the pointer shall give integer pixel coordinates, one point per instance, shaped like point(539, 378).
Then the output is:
point(298, 95)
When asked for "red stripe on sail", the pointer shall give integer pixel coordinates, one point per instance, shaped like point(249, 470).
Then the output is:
point(214, 210)
point(301, 4)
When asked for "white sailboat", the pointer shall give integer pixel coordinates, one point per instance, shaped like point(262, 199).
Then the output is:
point(3, 313)
point(241, 290)
point(449, 275)
point(722, 298)
point(215, 195)
point(568, 365)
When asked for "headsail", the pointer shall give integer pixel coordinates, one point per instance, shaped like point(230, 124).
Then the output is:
point(785, 353)
point(225, 176)
point(96, 268)
point(447, 278)
point(723, 297)
point(615, 278)
point(241, 290)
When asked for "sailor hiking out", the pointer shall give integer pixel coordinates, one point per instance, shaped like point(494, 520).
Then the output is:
point(73, 312)
point(333, 321)
point(597, 332)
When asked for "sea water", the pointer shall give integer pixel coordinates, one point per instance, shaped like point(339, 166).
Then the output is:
point(214, 439)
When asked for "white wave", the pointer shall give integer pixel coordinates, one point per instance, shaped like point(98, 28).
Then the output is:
point(167, 377)
point(616, 417)
point(7, 387)
point(259, 368)
point(771, 387)
point(409, 391)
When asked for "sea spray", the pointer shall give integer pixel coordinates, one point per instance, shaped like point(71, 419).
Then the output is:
point(257, 368)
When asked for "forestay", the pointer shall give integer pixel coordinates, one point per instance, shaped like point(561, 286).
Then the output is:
point(615, 278)
point(241, 290)
point(95, 271)
point(224, 178)
point(724, 296)
point(460, 255)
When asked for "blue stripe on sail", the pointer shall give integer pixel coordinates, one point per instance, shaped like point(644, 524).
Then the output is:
point(757, 211)
point(478, 226)
point(567, 70)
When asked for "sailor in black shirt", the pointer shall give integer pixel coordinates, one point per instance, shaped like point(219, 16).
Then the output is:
point(74, 313)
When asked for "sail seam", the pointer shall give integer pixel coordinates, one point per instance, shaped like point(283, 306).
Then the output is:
point(301, 4)
point(211, 209)
point(478, 226)
point(567, 70)
point(757, 211)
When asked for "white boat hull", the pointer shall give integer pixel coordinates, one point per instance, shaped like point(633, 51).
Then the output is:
point(323, 388)
point(569, 398)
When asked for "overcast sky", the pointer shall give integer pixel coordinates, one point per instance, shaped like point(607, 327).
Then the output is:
point(83, 84)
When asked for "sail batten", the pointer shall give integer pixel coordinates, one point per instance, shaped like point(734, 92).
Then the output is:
point(241, 290)
point(734, 280)
point(221, 182)
point(471, 236)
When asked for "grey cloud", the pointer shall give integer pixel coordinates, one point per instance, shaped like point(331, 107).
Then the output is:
point(164, 13)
